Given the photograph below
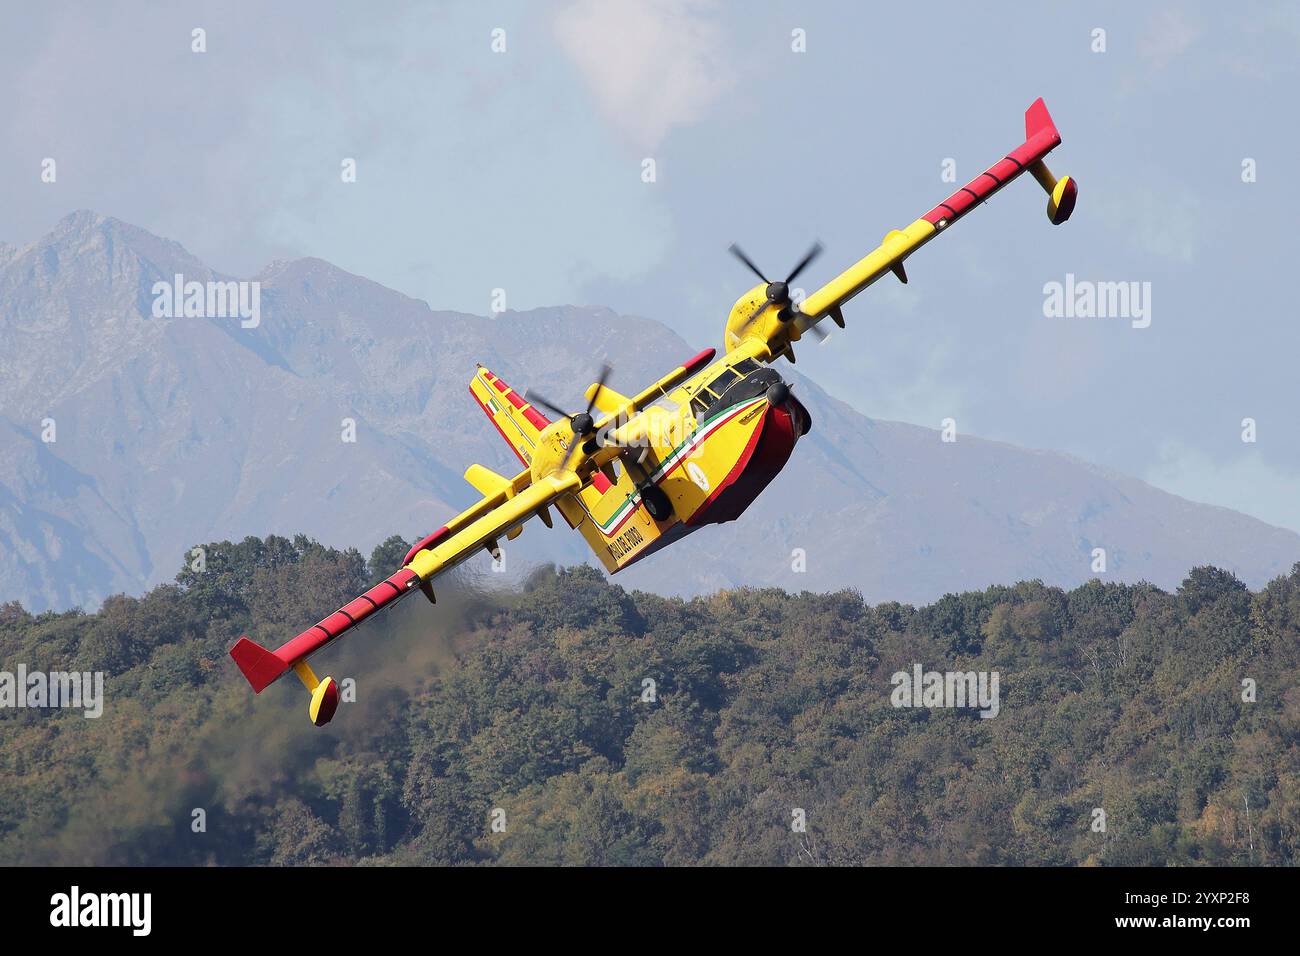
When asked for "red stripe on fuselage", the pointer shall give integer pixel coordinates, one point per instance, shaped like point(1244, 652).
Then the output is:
point(699, 361)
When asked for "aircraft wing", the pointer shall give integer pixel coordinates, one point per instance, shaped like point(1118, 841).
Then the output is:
point(1041, 138)
point(501, 512)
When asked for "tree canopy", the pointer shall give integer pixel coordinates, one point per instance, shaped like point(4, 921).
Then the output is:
point(572, 722)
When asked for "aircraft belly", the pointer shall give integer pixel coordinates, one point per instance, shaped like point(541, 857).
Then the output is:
point(709, 478)
point(769, 448)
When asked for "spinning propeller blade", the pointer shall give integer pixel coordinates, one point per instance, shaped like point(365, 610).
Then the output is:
point(582, 424)
point(812, 254)
point(740, 254)
point(777, 293)
point(535, 399)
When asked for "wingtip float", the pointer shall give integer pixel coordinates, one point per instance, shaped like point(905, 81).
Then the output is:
point(694, 448)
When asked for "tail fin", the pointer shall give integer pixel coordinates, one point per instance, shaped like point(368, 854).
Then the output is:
point(261, 667)
point(1061, 193)
point(517, 421)
point(1039, 121)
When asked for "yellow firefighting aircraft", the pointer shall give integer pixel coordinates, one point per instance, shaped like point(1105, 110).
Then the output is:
point(633, 473)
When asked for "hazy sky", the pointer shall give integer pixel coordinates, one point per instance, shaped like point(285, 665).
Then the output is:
point(522, 170)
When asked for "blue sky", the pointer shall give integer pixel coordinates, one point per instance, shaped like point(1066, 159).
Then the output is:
point(522, 170)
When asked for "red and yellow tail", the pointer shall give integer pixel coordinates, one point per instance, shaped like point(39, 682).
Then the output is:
point(517, 421)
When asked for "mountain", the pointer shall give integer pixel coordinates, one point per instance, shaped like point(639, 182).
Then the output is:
point(169, 432)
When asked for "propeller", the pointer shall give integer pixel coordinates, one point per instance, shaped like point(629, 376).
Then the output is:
point(581, 422)
point(778, 292)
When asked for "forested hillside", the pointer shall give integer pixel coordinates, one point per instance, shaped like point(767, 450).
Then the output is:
point(532, 710)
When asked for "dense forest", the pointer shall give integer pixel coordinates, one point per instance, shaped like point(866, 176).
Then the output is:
point(575, 723)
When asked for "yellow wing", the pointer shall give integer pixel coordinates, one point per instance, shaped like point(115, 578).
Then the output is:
point(1041, 137)
point(482, 526)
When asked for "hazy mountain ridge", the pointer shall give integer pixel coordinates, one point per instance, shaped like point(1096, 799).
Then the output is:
point(172, 432)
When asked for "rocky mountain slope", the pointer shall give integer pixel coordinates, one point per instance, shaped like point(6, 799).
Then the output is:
point(174, 431)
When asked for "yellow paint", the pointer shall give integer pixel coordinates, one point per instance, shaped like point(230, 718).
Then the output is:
point(1044, 176)
point(304, 672)
point(606, 399)
point(898, 245)
point(489, 520)
point(689, 460)
point(486, 481)
point(318, 697)
point(517, 429)
point(1058, 192)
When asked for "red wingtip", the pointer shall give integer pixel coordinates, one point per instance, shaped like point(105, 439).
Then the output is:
point(258, 665)
point(428, 541)
point(699, 361)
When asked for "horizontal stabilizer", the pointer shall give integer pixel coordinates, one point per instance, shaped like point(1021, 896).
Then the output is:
point(486, 481)
point(606, 399)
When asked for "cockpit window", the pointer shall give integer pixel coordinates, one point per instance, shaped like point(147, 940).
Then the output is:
point(722, 380)
point(726, 388)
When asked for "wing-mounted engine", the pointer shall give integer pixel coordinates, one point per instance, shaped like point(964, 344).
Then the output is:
point(762, 315)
